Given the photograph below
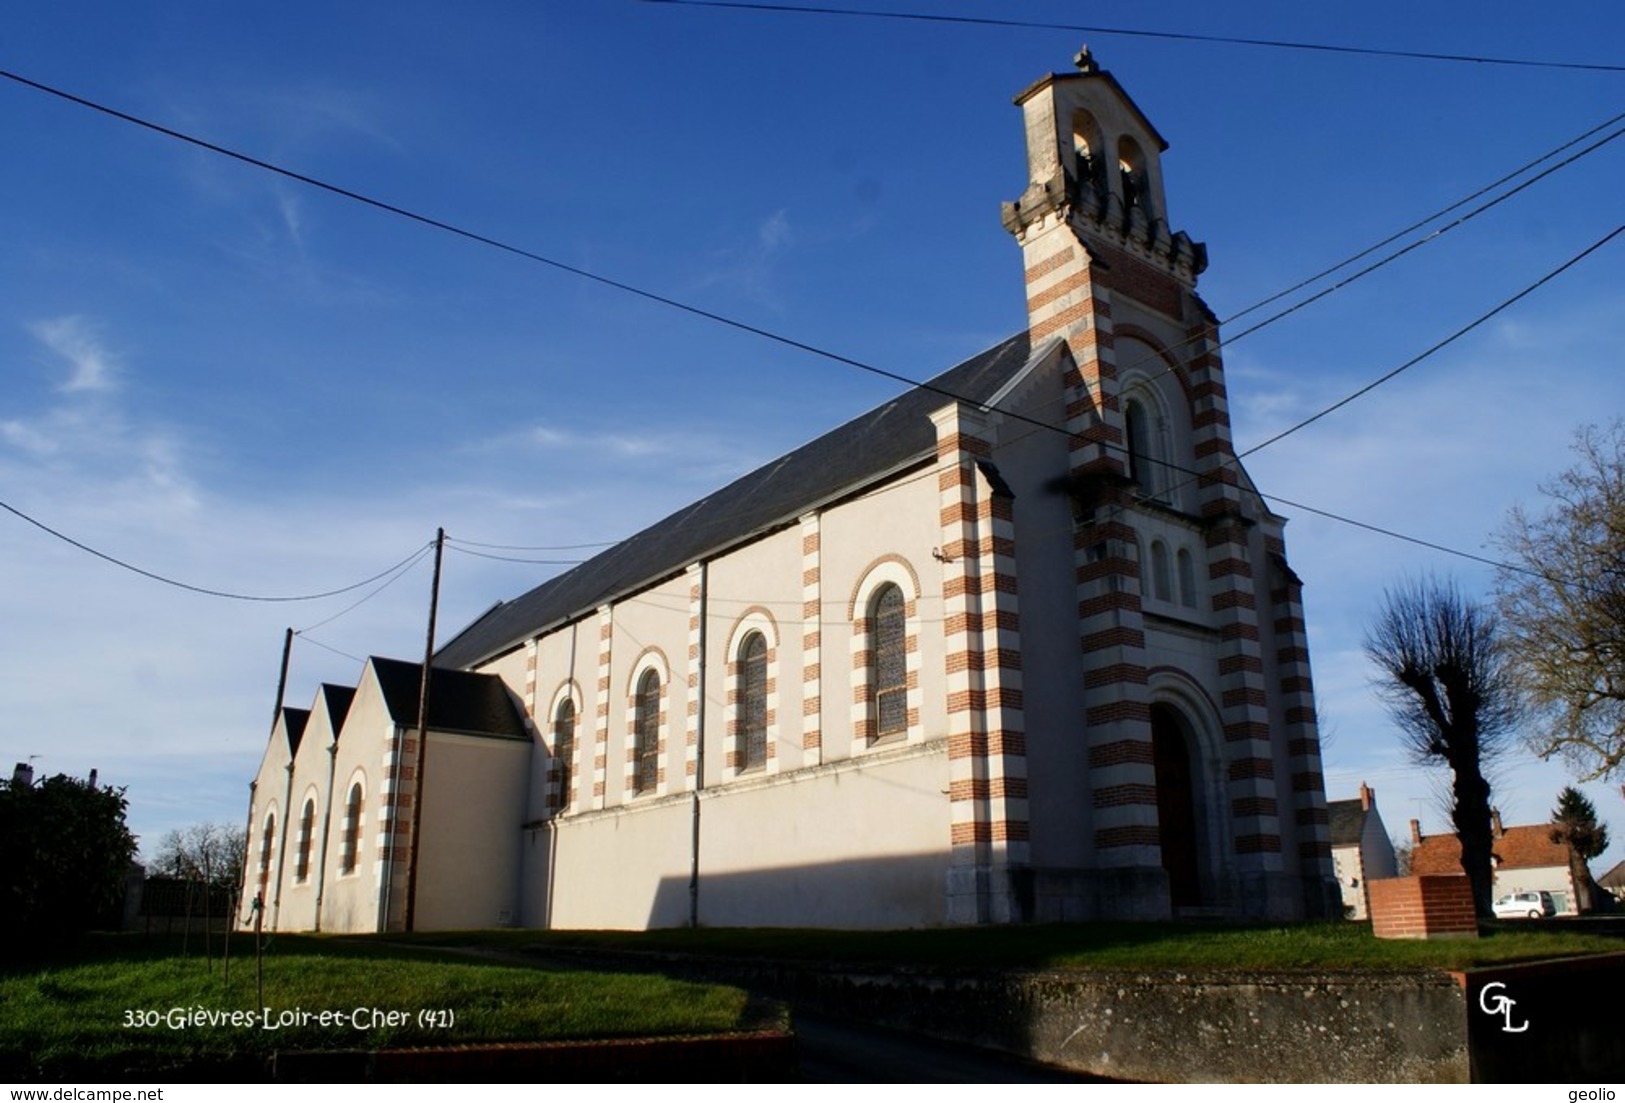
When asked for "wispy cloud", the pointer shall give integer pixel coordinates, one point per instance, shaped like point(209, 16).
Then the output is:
point(78, 341)
point(84, 434)
point(749, 269)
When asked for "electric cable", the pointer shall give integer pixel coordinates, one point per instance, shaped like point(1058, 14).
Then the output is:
point(558, 265)
point(404, 570)
point(334, 650)
point(642, 292)
point(1463, 331)
point(1383, 262)
point(513, 558)
point(1421, 222)
point(470, 235)
point(167, 581)
point(1128, 32)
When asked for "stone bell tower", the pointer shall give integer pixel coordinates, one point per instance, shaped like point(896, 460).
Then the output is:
point(1229, 815)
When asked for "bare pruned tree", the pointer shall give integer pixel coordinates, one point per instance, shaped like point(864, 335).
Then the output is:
point(1444, 677)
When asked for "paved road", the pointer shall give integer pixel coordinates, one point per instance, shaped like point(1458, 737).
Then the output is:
point(834, 1052)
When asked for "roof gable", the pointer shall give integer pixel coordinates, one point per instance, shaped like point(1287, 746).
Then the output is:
point(293, 725)
point(338, 700)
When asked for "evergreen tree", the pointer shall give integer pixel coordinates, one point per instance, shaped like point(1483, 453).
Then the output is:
point(1574, 824)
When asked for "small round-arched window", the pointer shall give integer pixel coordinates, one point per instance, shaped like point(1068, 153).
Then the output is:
point(752, 702)
point(888, 663)
point(646, 733)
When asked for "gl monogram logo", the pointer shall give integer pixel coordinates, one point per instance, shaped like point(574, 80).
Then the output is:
point(1499, 1004)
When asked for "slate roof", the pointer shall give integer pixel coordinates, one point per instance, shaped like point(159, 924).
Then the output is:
point(293, 722)
point(1527, 847)
point(475, 704)
point(338, 703)
point(1346, 820)
point(773, 495)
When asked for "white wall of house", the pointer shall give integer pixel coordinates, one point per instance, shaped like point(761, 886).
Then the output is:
point(1552, 879)
point(295, 910)
point(468, 859)
point(350, 899)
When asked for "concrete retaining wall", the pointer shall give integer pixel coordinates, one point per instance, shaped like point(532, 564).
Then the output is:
point(1415, 1026)
point(1178, 1028)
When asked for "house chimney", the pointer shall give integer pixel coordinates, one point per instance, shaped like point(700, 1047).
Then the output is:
point(93, 779)
point(1495, 822)
point(1416, 831)
point(22, 776)
point(1367, 797)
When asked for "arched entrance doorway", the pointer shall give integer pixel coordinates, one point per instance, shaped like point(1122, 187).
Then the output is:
point(1173, 755)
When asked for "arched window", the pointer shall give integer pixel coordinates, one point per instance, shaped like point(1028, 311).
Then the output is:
point(1137, 431)
point(751, 697)
point(1159, 571)
point(1131, 171)
point(888, 663)
point(1089, 164)
point(350, 846)
point(646, 733)
point(267, 839)
point(307, 823)
point(1187, 579)
point(564, 751)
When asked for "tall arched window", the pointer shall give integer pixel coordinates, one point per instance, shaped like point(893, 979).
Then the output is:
point(1159, 571)
point(1132, 172)
point(1137, 431)
point(1187, 579)
point(646, 733)
point(564, 751)
point(350, 847)
point(888, 662)
point(1089, 162)
point(267, 839)
point(752, 702)
point(307, 824)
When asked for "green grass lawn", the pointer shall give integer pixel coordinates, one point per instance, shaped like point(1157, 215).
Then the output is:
point(123, 1005)
point(1170, 946)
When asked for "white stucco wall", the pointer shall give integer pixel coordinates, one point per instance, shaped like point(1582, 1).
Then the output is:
point(350, 900)
point(468, 857)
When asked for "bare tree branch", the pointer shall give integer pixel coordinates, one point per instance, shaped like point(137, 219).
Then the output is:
point(1566, 624)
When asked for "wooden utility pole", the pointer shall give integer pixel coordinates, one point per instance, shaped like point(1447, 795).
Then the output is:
point(248, 831)
point(423, 738)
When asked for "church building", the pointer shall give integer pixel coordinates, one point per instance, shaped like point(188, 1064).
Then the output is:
point(1020, 645)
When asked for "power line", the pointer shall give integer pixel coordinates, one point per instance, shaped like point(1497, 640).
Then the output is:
point(396, 577)
point(619, 285)
point(326, 647)
point(515, 558)
point(535, 547)
point(1419, 223)
point(1384, 261)
point(179, 585)
point(1131, 32)
point(1463, 331)
point(665, 300)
